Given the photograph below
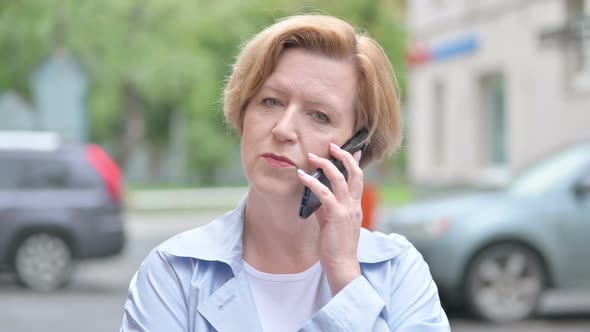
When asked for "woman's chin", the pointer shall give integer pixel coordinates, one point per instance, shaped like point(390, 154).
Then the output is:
point(279, 190)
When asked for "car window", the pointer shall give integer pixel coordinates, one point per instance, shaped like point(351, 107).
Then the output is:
point(44, 174)
point(31, 173)
point(545, 176)
point(585, 179)
point(9, 173)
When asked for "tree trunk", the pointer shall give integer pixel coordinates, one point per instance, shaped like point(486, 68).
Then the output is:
point(155, 163)
point(132, 126)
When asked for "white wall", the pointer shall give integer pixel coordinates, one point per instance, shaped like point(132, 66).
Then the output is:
point(542, 112)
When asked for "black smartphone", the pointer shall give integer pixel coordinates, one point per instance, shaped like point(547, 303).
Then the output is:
point(310, 202)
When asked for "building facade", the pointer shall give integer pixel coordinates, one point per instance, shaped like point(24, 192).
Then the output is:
point(494, 85)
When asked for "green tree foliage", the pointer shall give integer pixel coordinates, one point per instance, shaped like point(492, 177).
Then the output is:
point(149, 58)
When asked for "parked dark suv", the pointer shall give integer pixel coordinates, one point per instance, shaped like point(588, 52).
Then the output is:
point(58, 203)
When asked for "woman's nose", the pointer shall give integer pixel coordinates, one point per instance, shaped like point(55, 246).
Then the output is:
point(285, 128)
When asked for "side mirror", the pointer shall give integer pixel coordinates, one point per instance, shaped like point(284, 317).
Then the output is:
point(582, 187)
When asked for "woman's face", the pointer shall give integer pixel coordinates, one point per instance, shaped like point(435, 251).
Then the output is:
point(305, 104)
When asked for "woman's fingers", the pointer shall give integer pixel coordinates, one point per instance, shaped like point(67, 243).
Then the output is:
point(336, 178)
point(355, 173)
point(319, 189)
point(342, 188)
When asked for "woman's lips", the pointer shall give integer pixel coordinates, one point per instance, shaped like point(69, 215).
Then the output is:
point(278, 161)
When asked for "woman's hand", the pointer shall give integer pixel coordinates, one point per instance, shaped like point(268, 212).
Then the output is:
point(339, 217)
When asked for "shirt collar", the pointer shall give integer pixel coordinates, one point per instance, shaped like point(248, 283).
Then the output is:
point(221, 240)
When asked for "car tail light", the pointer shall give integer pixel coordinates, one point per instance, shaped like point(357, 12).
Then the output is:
point(108, 170)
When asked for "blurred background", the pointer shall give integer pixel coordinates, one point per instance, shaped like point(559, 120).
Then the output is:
point(112, 140)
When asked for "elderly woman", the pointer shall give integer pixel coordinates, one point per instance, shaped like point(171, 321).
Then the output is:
point(298, 90)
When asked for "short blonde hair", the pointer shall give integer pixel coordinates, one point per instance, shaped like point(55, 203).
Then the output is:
point(377, 103)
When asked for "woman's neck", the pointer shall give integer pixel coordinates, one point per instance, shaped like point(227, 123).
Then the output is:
point(275, 239)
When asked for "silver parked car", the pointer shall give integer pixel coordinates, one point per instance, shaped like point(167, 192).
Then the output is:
point(58, 203)
point(496, 252)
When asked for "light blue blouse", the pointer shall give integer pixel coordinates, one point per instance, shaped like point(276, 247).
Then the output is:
point(195, 282)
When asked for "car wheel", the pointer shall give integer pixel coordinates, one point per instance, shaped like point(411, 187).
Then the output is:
point(43, 262)
point(504, 283)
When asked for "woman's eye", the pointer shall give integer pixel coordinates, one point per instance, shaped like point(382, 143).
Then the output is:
point(271, 102)
point(319, 116)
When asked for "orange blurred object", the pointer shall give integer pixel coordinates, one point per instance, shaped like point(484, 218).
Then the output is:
point(369, 201)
